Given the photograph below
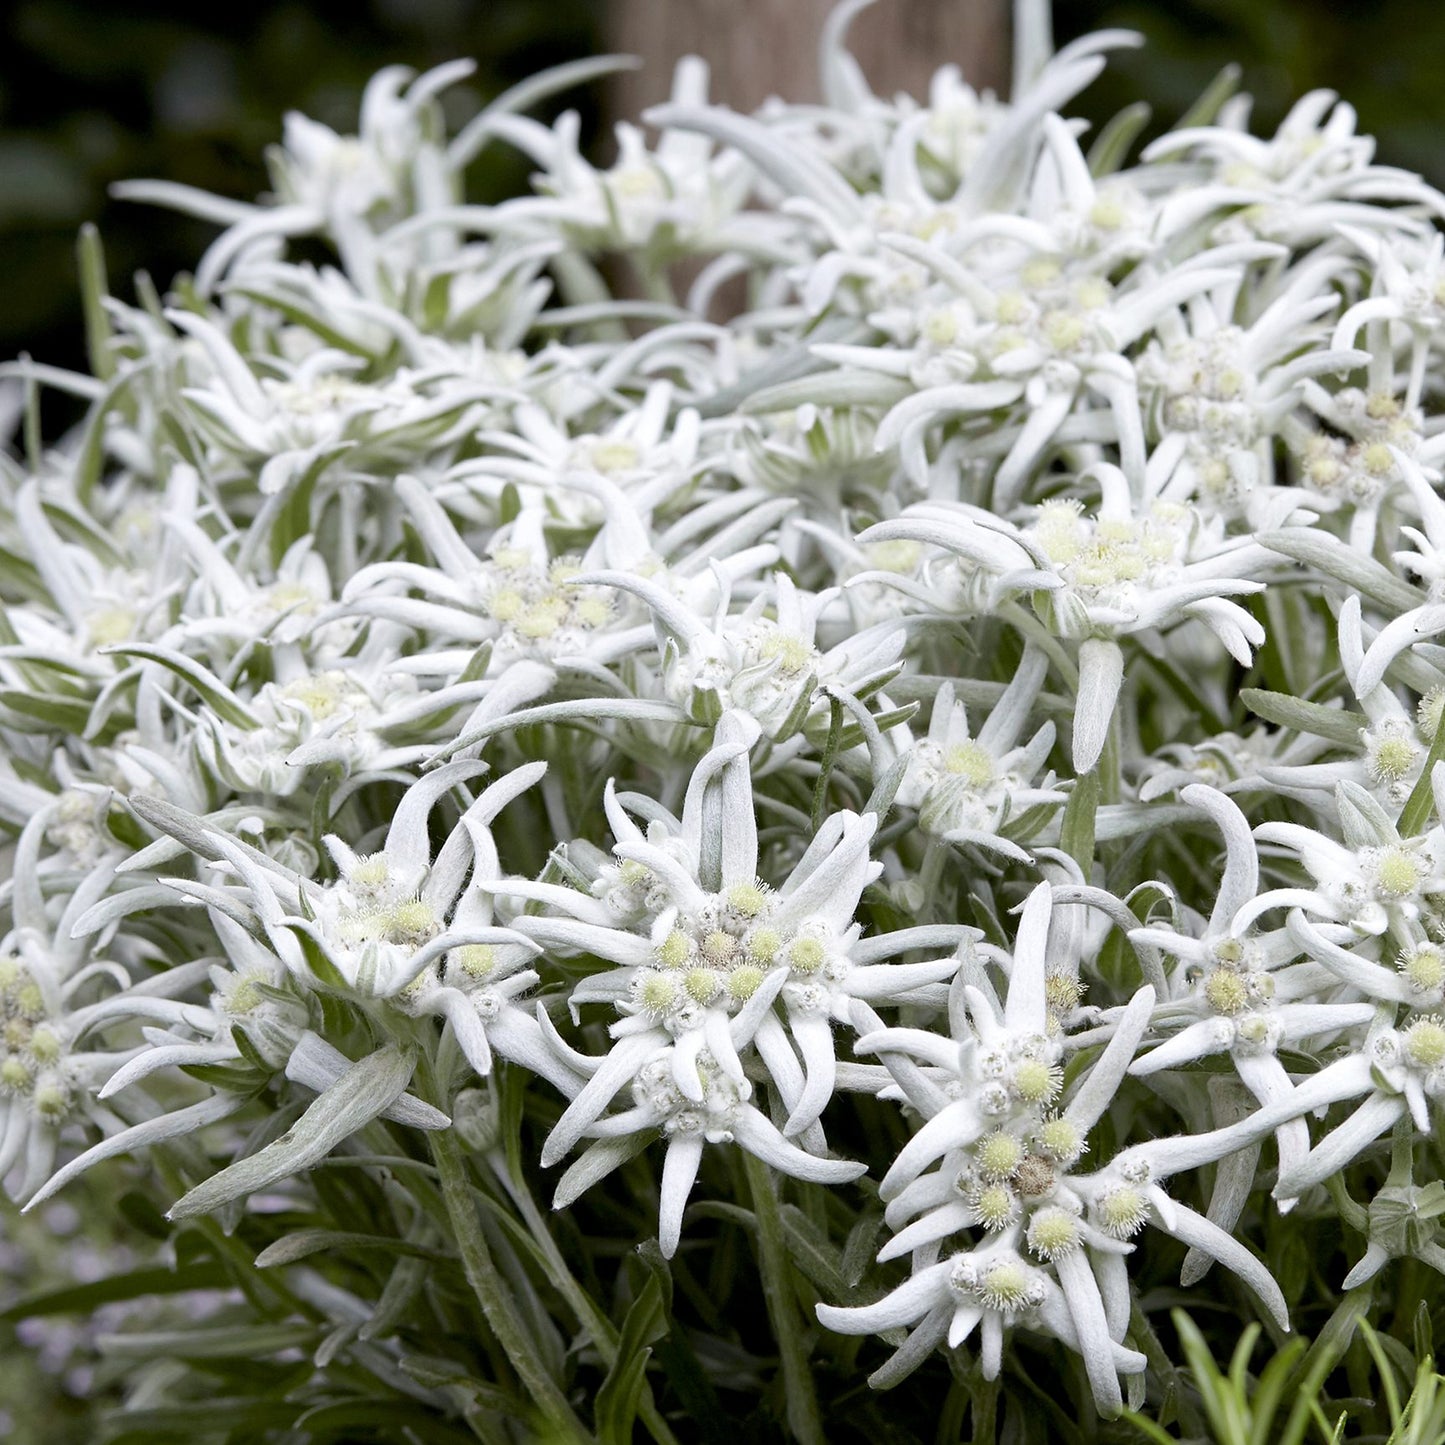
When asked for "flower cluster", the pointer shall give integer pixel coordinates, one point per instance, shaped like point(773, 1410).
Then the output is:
point(437, 658)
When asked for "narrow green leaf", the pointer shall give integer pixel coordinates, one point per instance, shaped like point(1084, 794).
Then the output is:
point(1416, 812)
point(813, 1253)
point(1334, 724)
point(1110, 149)
point(356, 1098)
point(1076, 835)
point(246, 1342)
point(1345, 564)
point(615, 1408)
point(1204, 110)
point(136, 1284)
point(64, 714)
point(306, 1242)
point(218, 697)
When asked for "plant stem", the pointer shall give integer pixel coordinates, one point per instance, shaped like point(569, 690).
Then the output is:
point(602, 1330)
point(500, 1311)
point(802, 1403)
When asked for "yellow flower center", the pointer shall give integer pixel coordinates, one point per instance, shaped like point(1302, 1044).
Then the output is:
point(763, 945)
point(51, 1101)
point(1053, 1233)
point(1377, 460)
point(1227, 992)
point(107, 625)
point(998, 1155)
point(749, 899)
point(1063, 330)
point(806, 955)
point(1122, 1211)
point(1429, 712)
point(792, 653)
point(611, 457)
point(972, 763)
point(743, 982)
point(476, 960)
point(1397, 873)
point(1062, 992)
point(1424, 969)
point(1035, 1081)
point(702, 984)
point(674, 950)
point(371, 873)
point(413, 919)
point(1107, 214)
point(657, 993)
point(898, 556)
point(994, 1205)
point(1393, 759)
point(1004, 1286)
point(1425, 1043)
point(1060, 1139)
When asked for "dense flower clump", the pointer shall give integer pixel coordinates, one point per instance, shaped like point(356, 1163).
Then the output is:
point(883, 600)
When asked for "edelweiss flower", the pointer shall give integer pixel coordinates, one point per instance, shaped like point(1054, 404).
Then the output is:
point(391, 913)
point(1235, 992)
point(965, 788)
point(53, 1050)
point(991, 1290)
point(767, 667)
point(709, 956)
point(1373, 880)
point(1129, 570)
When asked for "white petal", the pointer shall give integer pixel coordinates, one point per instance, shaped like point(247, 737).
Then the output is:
point(1102, 1082)
point(1101, 673)
point(1086, 1308)
point(814, 1034)
point(1202, 1234)
point(1024, 1009)
point(760, 1138)
point(679, 1170)
point(903, 1306)
point(1342, 1144)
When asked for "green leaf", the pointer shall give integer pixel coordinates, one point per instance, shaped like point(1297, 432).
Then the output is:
point(245, 1419)
point(406, 1420)
point(93, 291)
point(1323, 1355)
point(1332, 723)
point(1219, 90)
point(246, 1342)
point(301, 316)
point(615, 1408)
point(304, 1242)
point(64, 714)
point(1345, 564)
point(813, 1253)
point(1110, 149)
point(356, 1098)
point(83, 1298)
point(1416, 812)
point(1076, 835)
point(217, 696)
point(318, 961)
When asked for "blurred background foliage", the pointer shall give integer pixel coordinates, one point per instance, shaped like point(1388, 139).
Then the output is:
point(92, 92)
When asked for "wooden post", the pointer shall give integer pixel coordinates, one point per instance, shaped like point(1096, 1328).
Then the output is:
point(759, 48)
